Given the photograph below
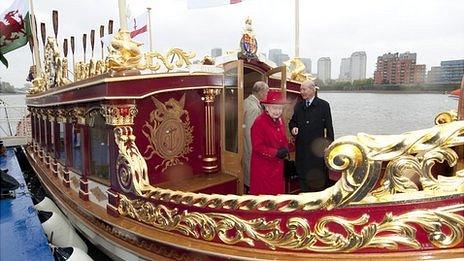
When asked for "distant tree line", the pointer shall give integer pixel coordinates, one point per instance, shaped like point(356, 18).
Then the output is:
point(368, 85)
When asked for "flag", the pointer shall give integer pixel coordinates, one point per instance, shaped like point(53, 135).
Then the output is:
point(138, 25)
point(138, 28)
point(194, 4)
point(14, 28)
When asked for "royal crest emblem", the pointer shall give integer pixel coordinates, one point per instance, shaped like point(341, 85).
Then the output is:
point(169, 132)
point(248, 43)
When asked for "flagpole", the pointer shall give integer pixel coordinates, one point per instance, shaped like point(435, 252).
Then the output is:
point(38, 66)
point(149, 29)
point(122, 15)
point(297, 28)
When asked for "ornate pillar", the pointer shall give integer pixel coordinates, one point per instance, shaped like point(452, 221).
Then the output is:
point(33, 128)
point(56, 139)
point(127, 166)
point(67, 151)
point(42, 118)
point(210, 160)
point(47, 139)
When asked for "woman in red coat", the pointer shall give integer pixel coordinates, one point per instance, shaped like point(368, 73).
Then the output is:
point(269, 148)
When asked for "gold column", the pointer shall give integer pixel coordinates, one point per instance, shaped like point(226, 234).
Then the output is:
point(210, 160)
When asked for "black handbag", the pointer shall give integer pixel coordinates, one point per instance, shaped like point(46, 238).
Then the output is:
point(290, 169)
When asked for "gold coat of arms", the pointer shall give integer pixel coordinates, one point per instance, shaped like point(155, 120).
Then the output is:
point(169, 132)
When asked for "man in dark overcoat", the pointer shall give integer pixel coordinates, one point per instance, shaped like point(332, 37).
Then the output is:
point(311, 125)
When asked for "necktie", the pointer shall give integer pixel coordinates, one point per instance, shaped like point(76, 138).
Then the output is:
point(307, 103)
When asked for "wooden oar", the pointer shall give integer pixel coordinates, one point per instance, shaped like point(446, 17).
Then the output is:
point(84, 44)
point(55, 23)
point(102, 33)
point(65, 47)
point(92, 40)
point(43, 33)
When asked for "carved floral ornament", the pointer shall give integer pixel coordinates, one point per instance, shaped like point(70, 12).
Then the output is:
point(299, 233)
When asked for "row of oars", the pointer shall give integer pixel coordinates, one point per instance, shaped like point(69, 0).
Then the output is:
point(72, 43)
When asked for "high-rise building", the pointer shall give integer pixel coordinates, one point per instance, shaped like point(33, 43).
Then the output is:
point(274, 55)
point(324, 69)
point(435, 75)
point(452, 71)
point(307, 63)
point(345, 70)
point(419, 73)
point(216, 52)
point(397, 69)
point(358, 66)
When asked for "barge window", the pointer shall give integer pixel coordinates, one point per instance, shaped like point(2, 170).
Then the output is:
point(61, 146)
point(52, 138)
point(76, 148)
point(231, 114)
point(99, 157)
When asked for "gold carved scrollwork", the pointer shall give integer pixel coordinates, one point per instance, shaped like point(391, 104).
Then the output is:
point(447, 116)
point(51, 113)
point(119, 114)
point(183, 59)
point(443, 226)
point(359, 159)
point(168, 132)
point(209, 95)
point(78, 115)
point(411, 157)
point(62, 115)
point(131, 168)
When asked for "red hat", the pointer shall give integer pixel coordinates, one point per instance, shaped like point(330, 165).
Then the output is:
point(274, 97)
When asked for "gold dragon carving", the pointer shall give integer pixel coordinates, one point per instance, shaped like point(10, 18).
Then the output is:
point(168, 132)
point(444, 227)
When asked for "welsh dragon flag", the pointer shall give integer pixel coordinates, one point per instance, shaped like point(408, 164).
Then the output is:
point(14, 28)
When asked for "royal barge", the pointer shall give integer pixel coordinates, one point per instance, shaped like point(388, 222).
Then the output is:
point(142, 152)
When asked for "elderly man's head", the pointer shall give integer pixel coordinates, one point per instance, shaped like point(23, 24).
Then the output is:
point(308, 89)
point(260, 90)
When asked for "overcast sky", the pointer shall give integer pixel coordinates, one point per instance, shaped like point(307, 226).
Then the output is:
point(334, 28)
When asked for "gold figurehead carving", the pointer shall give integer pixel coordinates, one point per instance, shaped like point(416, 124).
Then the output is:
point(124, 53)
point(168, 132)
point(296, 70)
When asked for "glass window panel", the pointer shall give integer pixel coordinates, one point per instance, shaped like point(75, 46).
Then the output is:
point(231, 115)
point(76, 148)
point(99, 158)
point(61, 144)
point(52, 137)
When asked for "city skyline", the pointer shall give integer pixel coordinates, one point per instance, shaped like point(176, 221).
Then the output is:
point(376, 27)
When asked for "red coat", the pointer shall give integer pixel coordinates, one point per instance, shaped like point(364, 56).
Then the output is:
point(267, 171)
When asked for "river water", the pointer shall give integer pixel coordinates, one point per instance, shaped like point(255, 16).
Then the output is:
point(372, 113)
point(385, 113)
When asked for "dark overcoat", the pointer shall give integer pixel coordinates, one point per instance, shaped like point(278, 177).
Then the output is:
point(315, 132)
